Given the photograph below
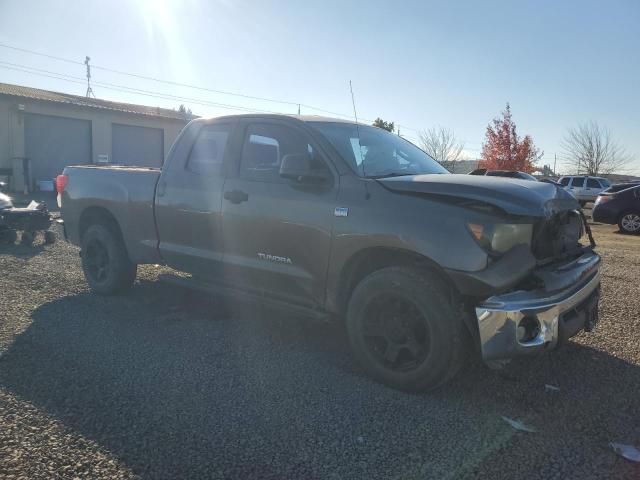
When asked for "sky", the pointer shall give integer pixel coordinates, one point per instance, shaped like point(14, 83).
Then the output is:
point(420, 64)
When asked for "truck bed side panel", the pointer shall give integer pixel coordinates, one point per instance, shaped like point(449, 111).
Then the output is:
point(126, 193)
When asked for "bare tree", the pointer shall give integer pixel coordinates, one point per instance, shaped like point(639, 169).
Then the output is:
point(441, 144)
point(590, 149)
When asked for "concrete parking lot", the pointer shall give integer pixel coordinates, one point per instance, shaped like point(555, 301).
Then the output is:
point(164, 383)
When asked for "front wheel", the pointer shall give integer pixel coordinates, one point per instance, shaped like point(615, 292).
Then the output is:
point(105, 262)
point(629, 222)
point(404, 331)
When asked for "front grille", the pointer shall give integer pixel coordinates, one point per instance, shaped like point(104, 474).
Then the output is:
point(559, 236)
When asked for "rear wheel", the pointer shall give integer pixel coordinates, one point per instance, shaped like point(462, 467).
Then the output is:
point(49, 237)
point(105, 261)
point(629, 222)
point(8, 236)
point(27, 238)
point(404, 331)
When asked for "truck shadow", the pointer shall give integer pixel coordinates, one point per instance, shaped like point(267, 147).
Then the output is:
point(176, 385)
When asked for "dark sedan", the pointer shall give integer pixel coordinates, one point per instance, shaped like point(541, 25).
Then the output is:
point(619, 205)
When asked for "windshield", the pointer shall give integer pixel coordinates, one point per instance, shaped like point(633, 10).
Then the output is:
point(376, 152)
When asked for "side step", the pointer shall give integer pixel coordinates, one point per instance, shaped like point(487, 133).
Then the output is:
point(242, 296)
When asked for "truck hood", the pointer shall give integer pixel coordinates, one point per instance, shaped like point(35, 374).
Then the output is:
point(517, 197)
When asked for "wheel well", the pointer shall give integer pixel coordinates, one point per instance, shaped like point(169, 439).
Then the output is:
point(369, 260)
point(98, 216)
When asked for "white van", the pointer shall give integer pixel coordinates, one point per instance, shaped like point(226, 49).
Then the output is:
point(584, 188)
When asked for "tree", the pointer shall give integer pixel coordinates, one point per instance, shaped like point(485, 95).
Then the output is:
point(184, 110)
point(380, 123)
point(504, 150)
point(590, 149)
point(441, 144)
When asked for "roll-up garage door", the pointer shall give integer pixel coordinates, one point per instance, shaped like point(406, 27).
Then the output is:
point(141, 146)
point(52, 143)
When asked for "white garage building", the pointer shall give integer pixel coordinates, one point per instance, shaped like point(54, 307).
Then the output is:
point(41, 132)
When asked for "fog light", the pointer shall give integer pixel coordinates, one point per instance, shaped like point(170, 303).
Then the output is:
point(528, 329)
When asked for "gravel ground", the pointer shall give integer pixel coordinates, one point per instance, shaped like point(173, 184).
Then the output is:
point(164, 383)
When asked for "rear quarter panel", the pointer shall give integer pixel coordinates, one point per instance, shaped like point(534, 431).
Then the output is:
point(126, 193)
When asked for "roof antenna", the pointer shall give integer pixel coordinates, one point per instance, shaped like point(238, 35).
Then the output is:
point(89, 89)
point(355, 114)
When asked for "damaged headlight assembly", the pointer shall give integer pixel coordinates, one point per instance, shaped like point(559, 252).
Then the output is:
point(498, 238)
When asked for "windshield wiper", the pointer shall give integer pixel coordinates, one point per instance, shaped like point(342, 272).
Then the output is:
point(389, 174)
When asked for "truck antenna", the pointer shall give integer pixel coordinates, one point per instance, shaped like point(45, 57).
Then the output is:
point(355, 115)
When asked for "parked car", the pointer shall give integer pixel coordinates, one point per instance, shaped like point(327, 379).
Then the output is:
point(584, 188)
point(337, 221)
point(619, 205)
point(504, 173)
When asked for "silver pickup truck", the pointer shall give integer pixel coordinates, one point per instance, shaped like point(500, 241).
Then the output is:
point(347, 223)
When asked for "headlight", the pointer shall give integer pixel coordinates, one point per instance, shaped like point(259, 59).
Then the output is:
point(500, 237)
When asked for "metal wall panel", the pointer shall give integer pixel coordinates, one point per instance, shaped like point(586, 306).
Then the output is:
point(141, 146)
point(52, 143)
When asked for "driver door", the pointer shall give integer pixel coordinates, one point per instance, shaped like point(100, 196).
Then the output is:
point(277, 232)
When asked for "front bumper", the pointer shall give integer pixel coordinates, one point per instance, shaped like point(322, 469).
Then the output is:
point(555, 316)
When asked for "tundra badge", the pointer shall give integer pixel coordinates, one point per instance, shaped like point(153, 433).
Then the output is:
point(274, 258)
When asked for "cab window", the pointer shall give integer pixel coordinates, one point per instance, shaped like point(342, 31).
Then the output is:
point(207, 154)
point(578, 182)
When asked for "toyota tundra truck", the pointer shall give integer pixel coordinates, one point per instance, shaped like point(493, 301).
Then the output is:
point(340, 221)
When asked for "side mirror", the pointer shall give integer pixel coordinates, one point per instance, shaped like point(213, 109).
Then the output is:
point(297, 166)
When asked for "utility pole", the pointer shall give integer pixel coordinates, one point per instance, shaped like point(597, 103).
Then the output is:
point(89, 89)
point(555, 161)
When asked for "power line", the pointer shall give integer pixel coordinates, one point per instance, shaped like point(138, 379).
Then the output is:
point(186, 85)
point(122, 88)
point(195, 87)
point(144, 77)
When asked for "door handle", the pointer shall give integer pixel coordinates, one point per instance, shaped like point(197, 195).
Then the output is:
point(236, 196)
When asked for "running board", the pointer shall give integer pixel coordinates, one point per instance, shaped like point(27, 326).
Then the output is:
point(243, 296)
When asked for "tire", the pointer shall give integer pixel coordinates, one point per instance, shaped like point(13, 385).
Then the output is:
point(8, 236)
point(105, 262)
point(27, 238)
point(629, 222)
point(49, 237)
point(404, 330)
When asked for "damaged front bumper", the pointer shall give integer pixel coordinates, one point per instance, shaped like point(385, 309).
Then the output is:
point(526, 322)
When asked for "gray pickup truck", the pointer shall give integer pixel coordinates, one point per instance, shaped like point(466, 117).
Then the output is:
point(347, 222)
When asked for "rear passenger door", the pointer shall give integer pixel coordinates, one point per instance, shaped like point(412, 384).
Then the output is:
point(189, 200)
point(277, 232)
point(576, 187)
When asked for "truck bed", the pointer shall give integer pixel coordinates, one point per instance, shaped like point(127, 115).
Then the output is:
point(126, 193)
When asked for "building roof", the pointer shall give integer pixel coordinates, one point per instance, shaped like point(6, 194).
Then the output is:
point(77, 100)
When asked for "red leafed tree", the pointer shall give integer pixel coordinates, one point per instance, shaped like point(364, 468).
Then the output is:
point(504, 150)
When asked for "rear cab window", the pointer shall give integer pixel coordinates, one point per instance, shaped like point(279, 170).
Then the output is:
point(207, 155)
point(593, 183)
